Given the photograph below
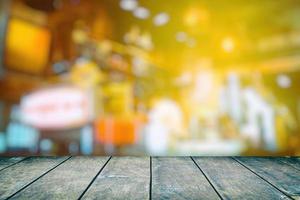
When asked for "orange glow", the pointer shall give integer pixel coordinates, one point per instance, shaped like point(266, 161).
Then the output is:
point(27, 46)
point(117, 131)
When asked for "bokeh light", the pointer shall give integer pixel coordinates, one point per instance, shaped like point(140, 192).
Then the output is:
point(140, 77)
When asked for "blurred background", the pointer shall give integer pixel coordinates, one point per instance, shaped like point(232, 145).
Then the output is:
point(149, 77)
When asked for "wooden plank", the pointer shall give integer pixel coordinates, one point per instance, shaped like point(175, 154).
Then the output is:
point(18, 176)
point(293, 161)
point(67, 181)
point(122, 178)
point(280, 175)
point(8, 161)
point(233, 181)
point(179, 178)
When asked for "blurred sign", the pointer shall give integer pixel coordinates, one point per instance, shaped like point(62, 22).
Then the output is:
point(27, 46)
point(56, 108)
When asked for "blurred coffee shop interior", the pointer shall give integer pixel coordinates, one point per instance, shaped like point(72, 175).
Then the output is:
point(149, 77)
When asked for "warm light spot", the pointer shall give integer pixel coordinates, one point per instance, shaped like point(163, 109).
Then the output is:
point(283, 81)
point(128, 5)
point(141, 13)
point(161, 19)
point(195, 16)
point(228, 45)
point(27, 46)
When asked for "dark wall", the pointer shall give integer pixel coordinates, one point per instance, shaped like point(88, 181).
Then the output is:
point(4, 9)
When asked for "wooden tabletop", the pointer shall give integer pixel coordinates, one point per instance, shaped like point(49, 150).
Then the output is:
point(150, 178)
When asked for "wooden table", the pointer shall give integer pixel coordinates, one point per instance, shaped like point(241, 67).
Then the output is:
point(149, 178)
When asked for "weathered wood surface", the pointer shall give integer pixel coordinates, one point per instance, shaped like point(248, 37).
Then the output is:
point(149, 178)
point(292, 161)
point(8, 161)
point(179, 178)
point(280, 175)
point(122, 178)
point(18, 176)
point(233, 181)
point(67, 181)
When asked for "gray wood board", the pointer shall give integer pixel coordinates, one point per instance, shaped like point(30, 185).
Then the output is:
point(16, 177)
point(122, 178)
point(233, 181)
point(67, 181)
point(283, 176)
point(293, 161)
point(7, 161)
point(179, 178)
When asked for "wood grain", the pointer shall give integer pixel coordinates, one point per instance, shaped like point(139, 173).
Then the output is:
point(67, 181)
point(179, 178)
point(293, 161)
point(282, 176)
point(122, 178)
point(16, 177)
point(8, 161)
point(233, 181)
point(138, 178)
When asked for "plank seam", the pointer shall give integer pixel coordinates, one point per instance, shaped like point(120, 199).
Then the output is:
point(14, 164)
point(38, 177)
point(288, 164)
point(150, 182)
point(207, 178)
point(244, 165)
point(90, 184)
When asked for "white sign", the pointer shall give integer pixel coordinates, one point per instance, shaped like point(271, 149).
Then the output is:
point(56, 108)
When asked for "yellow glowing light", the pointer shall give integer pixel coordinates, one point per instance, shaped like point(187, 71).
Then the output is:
point(191, 18)
point(195, 16)
point(27, 46)
point(228, 45)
